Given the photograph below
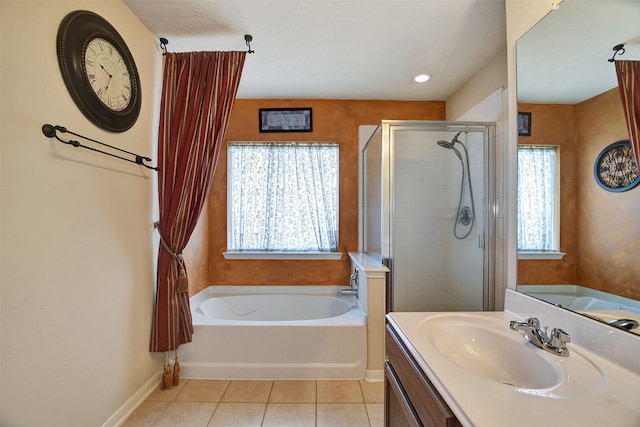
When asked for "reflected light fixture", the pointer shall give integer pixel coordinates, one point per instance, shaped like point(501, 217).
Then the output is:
point(421, 78)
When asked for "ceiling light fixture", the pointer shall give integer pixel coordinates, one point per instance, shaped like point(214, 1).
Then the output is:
point(421, 78)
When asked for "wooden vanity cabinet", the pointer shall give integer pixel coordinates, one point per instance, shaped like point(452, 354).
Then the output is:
point(410, 399)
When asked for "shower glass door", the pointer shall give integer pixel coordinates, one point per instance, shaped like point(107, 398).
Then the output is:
point(425, 203)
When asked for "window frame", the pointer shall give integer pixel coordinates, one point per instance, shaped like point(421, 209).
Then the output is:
point(555, 253)
point(275, 254)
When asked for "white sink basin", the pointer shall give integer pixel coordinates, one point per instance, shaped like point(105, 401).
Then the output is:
point(488, 348)
point(484, 350)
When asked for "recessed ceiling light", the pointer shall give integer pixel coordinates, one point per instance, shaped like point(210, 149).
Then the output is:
point(421, 78)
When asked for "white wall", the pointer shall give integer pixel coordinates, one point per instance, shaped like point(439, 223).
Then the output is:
point(491, 77)
point(77, 243)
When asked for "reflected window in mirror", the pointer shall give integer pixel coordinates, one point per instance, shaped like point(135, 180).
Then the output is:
point(538, 202)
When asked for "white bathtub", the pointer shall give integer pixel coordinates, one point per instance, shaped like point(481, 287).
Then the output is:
point(275, 332)
point(577, 303)
point(579, 298)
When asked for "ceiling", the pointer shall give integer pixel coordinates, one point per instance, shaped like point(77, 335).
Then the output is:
point(563, 59)
point(338, 49)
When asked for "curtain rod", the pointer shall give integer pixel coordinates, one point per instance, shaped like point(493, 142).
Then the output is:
point(617, 50)
point(50, 132)
point(248, 38)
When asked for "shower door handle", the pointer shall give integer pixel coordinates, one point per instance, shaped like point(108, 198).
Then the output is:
point(481, 241)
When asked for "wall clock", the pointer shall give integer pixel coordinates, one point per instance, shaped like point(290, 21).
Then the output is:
point(615, 168)
point(99, 71)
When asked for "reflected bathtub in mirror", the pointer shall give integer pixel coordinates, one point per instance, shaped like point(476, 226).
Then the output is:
point(620, 312)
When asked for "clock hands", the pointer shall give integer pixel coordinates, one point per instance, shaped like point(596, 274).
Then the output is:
point(108, 74)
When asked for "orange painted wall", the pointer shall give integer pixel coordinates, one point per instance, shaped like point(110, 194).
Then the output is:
point(600, 230)
point(553, 124)
point(608, 222)
point(333, 120)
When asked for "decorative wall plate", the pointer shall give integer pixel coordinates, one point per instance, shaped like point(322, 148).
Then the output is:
point(615, 168)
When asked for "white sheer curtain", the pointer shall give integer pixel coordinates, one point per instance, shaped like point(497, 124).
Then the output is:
point(536, 198)
point(283, 196)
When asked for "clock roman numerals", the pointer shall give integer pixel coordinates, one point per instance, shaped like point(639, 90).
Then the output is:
point(107, 74)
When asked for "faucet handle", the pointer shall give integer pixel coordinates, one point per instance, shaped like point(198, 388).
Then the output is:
point(559, 340)
point(559, 337)
point(534, 322)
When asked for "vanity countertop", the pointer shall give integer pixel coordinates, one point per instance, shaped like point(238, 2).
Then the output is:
point(478, 401)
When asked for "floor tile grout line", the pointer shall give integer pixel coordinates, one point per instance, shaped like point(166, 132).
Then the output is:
point(364, 401)
point(213, 413)
point(264, 413)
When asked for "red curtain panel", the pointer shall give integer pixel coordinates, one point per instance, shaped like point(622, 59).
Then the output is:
point(198, 92)
point(629, 86)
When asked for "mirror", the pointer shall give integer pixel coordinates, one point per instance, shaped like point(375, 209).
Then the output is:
point(564, 79)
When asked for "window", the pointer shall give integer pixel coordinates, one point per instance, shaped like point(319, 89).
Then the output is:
point(538, 199)
point(283, 197)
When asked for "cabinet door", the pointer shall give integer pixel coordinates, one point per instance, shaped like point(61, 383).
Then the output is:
point(398, 411)
point(422, 395)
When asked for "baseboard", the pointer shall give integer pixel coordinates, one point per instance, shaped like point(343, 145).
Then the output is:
point(120, 416)
point(374, 376)
point(271, 371)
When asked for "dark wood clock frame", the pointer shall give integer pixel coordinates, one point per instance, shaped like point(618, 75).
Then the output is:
point(76, 30)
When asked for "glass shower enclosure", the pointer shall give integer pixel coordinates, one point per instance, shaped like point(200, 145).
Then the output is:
point(427, 192)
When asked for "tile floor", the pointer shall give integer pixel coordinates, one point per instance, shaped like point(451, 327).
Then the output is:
point(266, 403)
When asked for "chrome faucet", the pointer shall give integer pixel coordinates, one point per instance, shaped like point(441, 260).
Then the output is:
point(626, 324)
point(353, 282)
point(556, 343)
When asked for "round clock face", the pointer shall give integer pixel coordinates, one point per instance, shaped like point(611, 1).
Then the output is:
point(615, 168)
point(99, 71)
point(107, 74)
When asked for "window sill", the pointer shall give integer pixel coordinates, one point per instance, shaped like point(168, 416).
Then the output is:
point(327, 256)
point(540, 255)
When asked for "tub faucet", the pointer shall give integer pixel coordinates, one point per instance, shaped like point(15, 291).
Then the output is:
point(353, 282)
point(556, 343)
point(344, 292)
point(626, 324)
point(354, 279)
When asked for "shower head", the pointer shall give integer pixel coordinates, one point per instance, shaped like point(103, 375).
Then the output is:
point(447, 144)
point(450, 145)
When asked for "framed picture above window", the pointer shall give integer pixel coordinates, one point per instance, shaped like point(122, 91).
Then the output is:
point(285, 120)
point(524, 124)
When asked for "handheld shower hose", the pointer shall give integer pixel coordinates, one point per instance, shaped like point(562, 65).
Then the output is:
point(463, 212)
